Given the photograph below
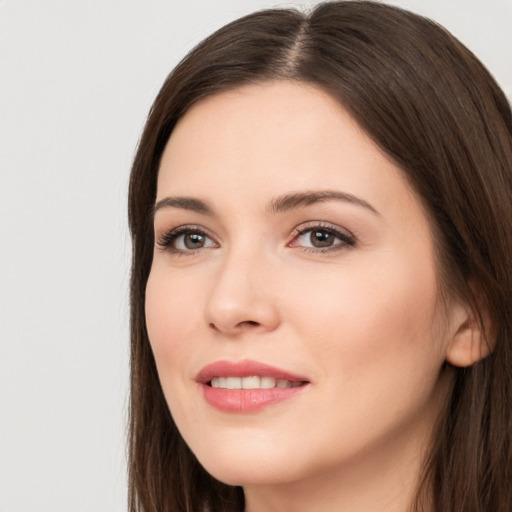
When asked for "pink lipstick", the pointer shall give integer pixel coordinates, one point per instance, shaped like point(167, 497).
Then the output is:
point(247, 386)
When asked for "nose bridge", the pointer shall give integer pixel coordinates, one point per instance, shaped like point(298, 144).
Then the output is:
point(241, 294)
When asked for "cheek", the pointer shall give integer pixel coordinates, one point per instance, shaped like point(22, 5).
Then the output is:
point(365, 318)
point(373, 344)
point(171, 318)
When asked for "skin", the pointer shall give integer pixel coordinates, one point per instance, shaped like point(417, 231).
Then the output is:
point(362, 322)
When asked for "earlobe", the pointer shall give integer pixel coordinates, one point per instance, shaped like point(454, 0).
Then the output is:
point(469, 344)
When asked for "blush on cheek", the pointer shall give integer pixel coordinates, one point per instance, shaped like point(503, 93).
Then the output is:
point(173, 319)
point(367, 310)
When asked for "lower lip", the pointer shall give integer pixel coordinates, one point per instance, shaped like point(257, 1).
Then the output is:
point(247, 400)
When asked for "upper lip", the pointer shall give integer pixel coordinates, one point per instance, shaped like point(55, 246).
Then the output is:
point(245, 368)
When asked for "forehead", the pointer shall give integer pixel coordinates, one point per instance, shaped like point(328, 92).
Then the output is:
point(263, 140)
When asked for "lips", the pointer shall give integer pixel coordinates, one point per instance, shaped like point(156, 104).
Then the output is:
point(247, 386)
point(245, 368)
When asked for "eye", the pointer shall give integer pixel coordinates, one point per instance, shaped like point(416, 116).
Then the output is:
point(186, 240)
point(322, 238)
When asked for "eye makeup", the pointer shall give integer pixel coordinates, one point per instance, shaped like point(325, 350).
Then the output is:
point(322, 237)
point(313, 237)
point(186, 239)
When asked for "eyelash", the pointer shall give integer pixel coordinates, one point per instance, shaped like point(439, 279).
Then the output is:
point(168, 239)
point(347, 240)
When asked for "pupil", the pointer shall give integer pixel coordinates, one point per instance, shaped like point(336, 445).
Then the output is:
point(321, 239)
point(194, 241)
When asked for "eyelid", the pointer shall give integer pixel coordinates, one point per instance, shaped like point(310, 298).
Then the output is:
point(348, 239)
point(346, 236)
point(166, 239)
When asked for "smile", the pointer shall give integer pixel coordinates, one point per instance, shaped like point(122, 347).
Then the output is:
point(252, 382)
point(247, 386)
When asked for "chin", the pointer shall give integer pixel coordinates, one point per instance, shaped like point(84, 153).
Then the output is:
point(250, 467)
point(244, 476)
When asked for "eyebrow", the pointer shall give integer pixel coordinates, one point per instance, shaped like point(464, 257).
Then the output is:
point(296, 200)
point(185, 203)
point(279, 204)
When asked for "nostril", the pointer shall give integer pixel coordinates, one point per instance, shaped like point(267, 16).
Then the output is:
point(246, 324)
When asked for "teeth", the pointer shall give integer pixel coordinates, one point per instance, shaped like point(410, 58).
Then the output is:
point(253, 382)
point(268, 382)
point(233, 382)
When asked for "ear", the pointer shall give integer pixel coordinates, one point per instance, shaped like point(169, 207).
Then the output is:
point(469, 342)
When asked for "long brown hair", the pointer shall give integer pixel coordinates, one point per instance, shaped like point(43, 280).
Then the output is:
point(436, 111)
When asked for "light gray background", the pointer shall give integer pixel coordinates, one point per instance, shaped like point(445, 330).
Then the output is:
point(77, 79)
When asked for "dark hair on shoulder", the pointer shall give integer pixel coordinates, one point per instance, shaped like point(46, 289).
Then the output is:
point(434, 109)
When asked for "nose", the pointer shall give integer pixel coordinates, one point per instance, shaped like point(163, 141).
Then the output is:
point(242, 297)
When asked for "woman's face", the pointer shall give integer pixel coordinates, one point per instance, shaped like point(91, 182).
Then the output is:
point(292, 260)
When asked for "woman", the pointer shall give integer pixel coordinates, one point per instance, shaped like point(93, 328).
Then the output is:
point(321, 289)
